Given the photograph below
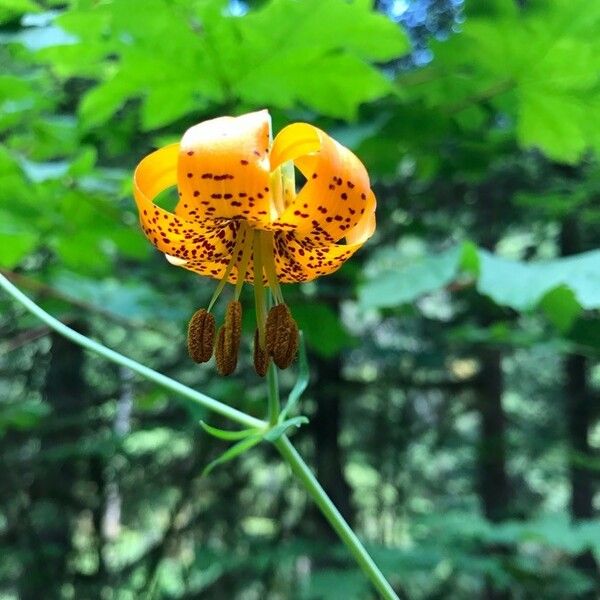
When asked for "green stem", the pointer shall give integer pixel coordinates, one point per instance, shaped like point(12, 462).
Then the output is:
point(332, 514)
point(321, 499)
point(289, 453)
point(273, 385)
point(162, 380)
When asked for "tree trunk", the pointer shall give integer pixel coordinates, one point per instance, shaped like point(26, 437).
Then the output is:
point(326, 429)
point(578, 409)
point(579, 418)
point(492, 479)
point(50, 492)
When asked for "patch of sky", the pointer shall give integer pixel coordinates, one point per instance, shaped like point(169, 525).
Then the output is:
point(237, 8)
point(422, 20)
point(39, 31)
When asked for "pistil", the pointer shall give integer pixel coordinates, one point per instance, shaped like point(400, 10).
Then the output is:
point(259, 288)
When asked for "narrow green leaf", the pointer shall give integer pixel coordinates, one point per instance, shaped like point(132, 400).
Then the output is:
point(232, 453)
point(227, 434)
point(302, 381)
point(276, 432)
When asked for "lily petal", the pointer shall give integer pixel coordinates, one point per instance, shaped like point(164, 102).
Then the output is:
point(219, 197)
point(216, 270)
point(300, 260)
point(174, 235)
point(337, 194)
point(223, 169)
point(175, 261)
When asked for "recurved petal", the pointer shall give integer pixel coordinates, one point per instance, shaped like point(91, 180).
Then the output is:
point(300, 260)
point(223, 169)
point(179, 238)
point(216, 270)
point(337, 194)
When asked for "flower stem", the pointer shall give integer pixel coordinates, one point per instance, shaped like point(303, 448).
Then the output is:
point(273, 385)
point(286, 449)
point(332, 514)
point(321, 499)
point(159, 378)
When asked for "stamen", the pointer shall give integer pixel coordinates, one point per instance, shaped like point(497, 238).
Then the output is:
point(241, 236)
point(261, 358)
point(281, 336)
point(269, 265)
point(228, 339)
point(201, 336)
point(259, 288)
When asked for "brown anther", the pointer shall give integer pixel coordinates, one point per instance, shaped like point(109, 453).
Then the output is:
point(201, 336)
point(228, 339)
point(261, 358)
point(281, 336)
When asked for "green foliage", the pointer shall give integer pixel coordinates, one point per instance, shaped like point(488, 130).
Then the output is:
point(336, 583)
point(14, 8)
point(562, 288)
point(404, 279)
point(23, 415)
point(322, 328)
point(529, 55)
point(269, 56)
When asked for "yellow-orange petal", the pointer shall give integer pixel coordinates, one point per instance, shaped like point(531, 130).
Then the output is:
point(337, 194)
point(223, 169)
point(179, 238)
point(299, 260)
point(217, 270)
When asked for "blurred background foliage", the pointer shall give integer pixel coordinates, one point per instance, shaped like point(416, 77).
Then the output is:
point(455, 373)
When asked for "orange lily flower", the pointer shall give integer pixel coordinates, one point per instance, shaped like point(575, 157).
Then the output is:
point(239, 217)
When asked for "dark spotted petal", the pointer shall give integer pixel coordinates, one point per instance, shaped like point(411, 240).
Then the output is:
point(337, 195)
point(223, 169)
